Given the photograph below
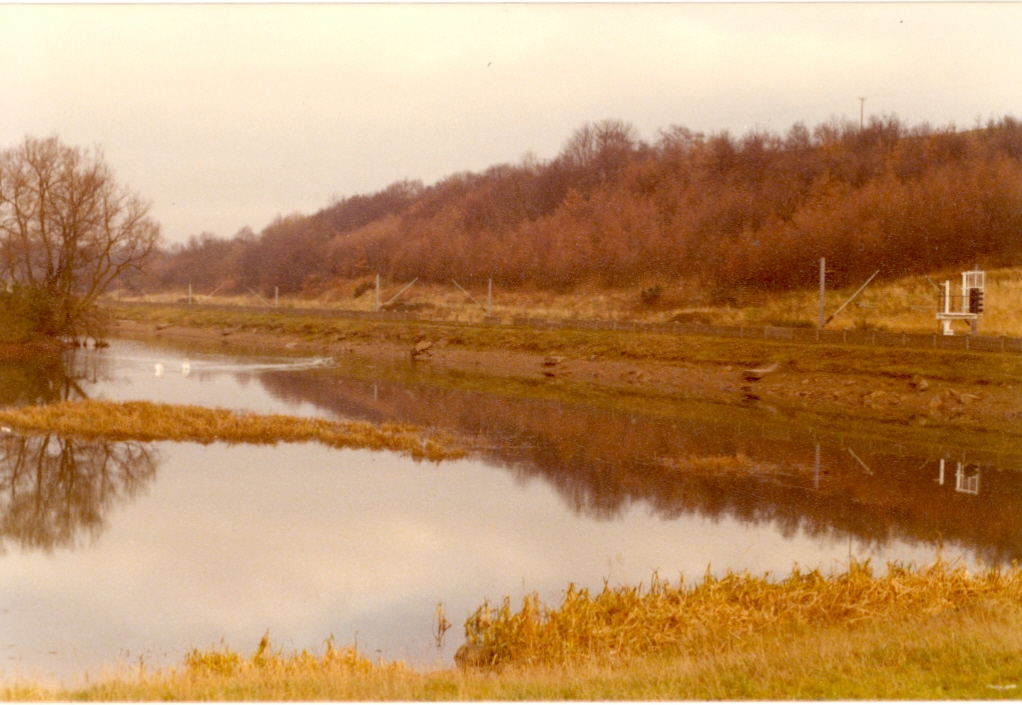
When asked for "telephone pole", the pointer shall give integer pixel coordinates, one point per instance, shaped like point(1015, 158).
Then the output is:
point(823, 288)
point(862, 107)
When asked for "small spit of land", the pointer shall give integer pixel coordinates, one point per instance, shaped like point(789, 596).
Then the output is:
point(146, 421)
point(910, 634)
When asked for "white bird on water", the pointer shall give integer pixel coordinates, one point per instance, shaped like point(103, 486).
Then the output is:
point(159, 369)
point(186, 368)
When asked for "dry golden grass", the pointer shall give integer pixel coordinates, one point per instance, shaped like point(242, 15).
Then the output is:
point(908, 304)
point(911, 634)
point(438, 302)
point(146, 421)
point(715, 464)
point(973, 656)
point(340, 673)
point(618, 624)
point(216, 674)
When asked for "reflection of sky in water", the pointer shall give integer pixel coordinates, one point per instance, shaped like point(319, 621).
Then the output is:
point(129, 372)
point(307, 542)
point(224, 542)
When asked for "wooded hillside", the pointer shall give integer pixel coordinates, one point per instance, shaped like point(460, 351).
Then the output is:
point(755, 211)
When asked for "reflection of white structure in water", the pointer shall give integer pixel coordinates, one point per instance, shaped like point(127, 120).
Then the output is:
point(965, 481)
point(186, 368)
point(966, 476)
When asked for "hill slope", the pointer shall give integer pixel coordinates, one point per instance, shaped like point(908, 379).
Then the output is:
point(755, 212)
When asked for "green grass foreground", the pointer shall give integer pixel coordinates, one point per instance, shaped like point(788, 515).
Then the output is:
point(146, 421)
point(934, 633)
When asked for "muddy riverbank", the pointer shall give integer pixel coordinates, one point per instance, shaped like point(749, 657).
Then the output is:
point(952, 390)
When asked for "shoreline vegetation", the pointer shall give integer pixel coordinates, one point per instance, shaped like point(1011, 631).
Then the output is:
point(911, 633)
point(146, 421)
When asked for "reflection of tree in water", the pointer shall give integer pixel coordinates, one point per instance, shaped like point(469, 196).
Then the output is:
point(43, 379)
point(602, 462)
point(54, 491)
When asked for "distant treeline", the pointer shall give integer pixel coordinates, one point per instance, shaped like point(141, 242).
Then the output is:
point(756, 211)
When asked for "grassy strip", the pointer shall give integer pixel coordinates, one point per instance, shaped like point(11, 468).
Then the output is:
point(912, 634)
point(908, 304)
point(146, 421)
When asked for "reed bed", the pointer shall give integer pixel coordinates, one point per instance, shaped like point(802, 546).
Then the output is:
point(341, 673)
point(937, 632)
point(715, 615)
point(267, 663)
point(146, 421)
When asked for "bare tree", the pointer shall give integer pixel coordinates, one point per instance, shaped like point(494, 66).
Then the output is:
point(67, 230)
point(601, 148)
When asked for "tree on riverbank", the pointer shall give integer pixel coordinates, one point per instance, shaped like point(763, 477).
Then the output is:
point(67, 229)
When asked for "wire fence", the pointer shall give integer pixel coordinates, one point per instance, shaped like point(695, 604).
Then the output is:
point(977, 343)
point(802, 335)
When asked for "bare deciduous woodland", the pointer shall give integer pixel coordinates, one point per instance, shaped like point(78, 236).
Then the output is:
point(750, 212)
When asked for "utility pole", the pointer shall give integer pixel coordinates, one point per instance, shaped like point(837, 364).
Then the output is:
point(823, 286)
point(816, 469)
point(862, 108)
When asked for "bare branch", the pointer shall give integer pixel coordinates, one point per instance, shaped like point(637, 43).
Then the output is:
point(67, 229)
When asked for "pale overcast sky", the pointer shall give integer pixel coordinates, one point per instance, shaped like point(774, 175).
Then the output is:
point(227, 115)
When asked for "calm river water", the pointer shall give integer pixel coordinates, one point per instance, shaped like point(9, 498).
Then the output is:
point(121, 553)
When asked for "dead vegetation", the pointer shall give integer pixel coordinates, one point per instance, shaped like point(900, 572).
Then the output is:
point(932, 633)
point(716, 615)
point(902, 305)
point(146, 421)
